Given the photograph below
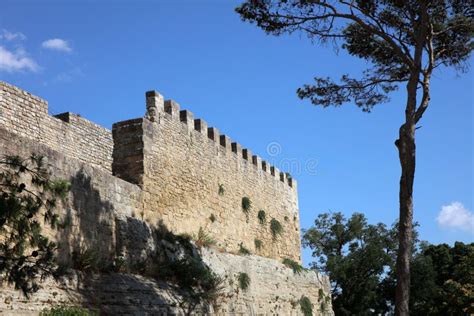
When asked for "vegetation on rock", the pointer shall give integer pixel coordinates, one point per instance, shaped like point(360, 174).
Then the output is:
point(203, 239)
point(306, 306)
point(262, 217)
point(68, 311)
point(295, 266)
point(276, 228)
point(246, 205)
point(186, 270)
point(244, 281)
point(243, 251)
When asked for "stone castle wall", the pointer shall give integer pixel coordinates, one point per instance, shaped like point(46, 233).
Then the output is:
point(184, 165)
point(104, 216)
point(27, 115)
point(179, 163)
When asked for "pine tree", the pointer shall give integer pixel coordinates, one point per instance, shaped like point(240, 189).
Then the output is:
point(27, 196)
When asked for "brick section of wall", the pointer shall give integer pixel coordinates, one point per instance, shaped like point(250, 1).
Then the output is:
point(27, 115)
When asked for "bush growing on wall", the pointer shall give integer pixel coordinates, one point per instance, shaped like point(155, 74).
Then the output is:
point(244, 281)
point(306, 306)
point(246, 204)
point(276, 228)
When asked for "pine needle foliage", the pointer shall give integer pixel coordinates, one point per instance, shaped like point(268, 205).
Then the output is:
point(27, 194)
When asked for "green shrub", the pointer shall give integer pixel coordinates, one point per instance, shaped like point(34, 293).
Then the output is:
point(306, 306)
point(203, 239)
point(276, 228)
point(244, 251)
point(67, 311)
point(87, 259)
point(221, 189)
point(246, 205)
point(258, 244)
point(262, 217)
point(189, 272)
point(244, 281)
point(297, 268)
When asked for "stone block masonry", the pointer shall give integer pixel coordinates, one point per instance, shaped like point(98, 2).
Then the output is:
point(27, 115)
point(194, 177)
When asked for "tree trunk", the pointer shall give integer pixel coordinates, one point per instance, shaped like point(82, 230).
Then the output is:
point(407, 154)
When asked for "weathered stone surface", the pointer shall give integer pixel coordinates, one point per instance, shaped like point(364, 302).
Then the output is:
point(274, 290)
point(27, 115)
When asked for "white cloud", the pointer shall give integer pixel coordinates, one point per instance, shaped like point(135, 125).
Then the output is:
point(456, 216)
point(10, 36)
point(57, 44)
point(12, 61)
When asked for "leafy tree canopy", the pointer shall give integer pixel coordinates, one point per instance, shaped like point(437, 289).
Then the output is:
point(360, 261)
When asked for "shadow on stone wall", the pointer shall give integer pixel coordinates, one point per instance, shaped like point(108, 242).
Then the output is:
point(127, 266)
point(88, 221)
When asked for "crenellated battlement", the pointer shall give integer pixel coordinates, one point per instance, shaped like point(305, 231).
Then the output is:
point(155, 104)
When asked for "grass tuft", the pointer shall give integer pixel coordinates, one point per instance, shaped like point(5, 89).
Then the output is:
point(297, 268)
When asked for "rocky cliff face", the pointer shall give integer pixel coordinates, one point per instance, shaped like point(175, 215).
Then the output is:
point(274, 290)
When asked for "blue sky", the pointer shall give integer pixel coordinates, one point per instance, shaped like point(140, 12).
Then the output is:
point(98, 59)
